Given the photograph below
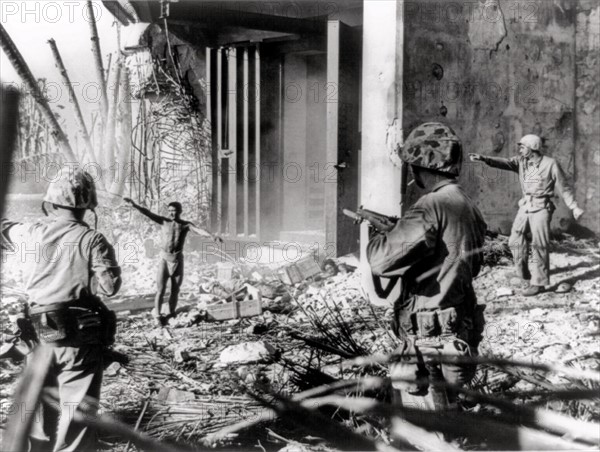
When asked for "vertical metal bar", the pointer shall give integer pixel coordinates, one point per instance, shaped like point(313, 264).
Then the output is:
point(245, 99)
point(333, 76)
point(214, 212)
point(232, 170)
point(257, 138)
point(208, 86)
point(219, 139)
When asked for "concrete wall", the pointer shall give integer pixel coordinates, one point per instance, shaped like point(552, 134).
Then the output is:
point(587, 110)
point(498, 69)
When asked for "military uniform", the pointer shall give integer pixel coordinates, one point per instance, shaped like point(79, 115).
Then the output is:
point(71, 256)
point(436, 248)
point(538, 178)
point(69, 262)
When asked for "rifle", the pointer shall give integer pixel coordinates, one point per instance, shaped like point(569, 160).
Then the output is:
point(380, 222)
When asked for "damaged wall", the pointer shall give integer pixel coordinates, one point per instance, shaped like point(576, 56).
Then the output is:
point(495, 70)
point(587, 110)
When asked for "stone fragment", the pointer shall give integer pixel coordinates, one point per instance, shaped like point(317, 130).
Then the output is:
point(248, 352)
point(504, 292)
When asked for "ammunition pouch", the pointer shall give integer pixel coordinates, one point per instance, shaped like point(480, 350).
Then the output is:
point(453, 332)
point(454, 321)
point(75, 323)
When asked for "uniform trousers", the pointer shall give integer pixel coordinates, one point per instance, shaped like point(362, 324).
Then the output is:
point(537, 268)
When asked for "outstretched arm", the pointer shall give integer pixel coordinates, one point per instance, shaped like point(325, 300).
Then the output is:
point(511, 164)
point(15, 233)
point(204, 233)
point(146, 212)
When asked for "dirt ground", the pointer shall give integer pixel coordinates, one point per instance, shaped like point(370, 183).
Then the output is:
point(192, 392)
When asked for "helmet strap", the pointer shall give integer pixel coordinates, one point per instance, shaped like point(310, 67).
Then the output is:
point(44, 208)
point(95, 219)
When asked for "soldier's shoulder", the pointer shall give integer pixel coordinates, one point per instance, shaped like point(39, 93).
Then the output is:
point(93, 237)
point(39, 225)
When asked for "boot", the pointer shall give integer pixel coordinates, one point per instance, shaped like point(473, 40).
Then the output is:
point(532, 291)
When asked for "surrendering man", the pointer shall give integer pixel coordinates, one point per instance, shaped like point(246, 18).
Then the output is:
point(173, 232)
point(538, 176)
point(436, 248)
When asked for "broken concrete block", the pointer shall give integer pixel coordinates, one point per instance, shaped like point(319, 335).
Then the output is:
point(181, 356)
point(504, 292)
point(112, 369)
point(174, 395)
point(537, 312)
point(248, 352)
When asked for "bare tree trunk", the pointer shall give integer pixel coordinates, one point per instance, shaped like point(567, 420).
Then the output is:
point(125, 133)
point(98, 59)
point(9, 113)
point(24, 72)
point(78, 115)
point(109, 143)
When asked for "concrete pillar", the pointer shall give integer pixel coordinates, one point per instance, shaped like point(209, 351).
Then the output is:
point(383, 48)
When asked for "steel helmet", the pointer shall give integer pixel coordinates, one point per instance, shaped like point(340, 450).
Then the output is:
point(533, 142)
point(434, 146)
point(73, 189)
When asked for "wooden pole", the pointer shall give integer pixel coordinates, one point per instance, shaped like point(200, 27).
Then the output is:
point(27, 396)
point(24, 72)
point(78, 115)
point(98, 59)
point(108, 147)
point(125, 124)
point(9, 113)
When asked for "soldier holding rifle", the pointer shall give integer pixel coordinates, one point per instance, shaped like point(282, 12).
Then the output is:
point(436, 249)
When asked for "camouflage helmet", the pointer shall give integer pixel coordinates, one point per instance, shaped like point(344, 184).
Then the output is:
point(72, 189)
point(434, 146)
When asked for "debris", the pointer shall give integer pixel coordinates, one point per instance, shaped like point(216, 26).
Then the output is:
point(166, 394)
point(298, 271)
point(250, 306)
point(225, 271)
point(248, 352)
point(112, 369)
point(504, 292)
point(182, 353)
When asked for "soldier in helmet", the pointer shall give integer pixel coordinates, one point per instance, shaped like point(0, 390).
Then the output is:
point(72, 265)
point(436, 249)
point(538, 175)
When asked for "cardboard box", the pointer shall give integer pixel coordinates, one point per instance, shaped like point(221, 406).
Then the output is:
point(300, 270)
point(249, 307)
point(224, 271)
point(234, 310)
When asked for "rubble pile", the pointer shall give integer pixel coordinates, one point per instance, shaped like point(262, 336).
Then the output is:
point(190, 379)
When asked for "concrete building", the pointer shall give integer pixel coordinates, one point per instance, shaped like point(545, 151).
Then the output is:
point(307, 100)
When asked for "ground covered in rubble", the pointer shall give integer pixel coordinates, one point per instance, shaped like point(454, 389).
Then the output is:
point(189, 380)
